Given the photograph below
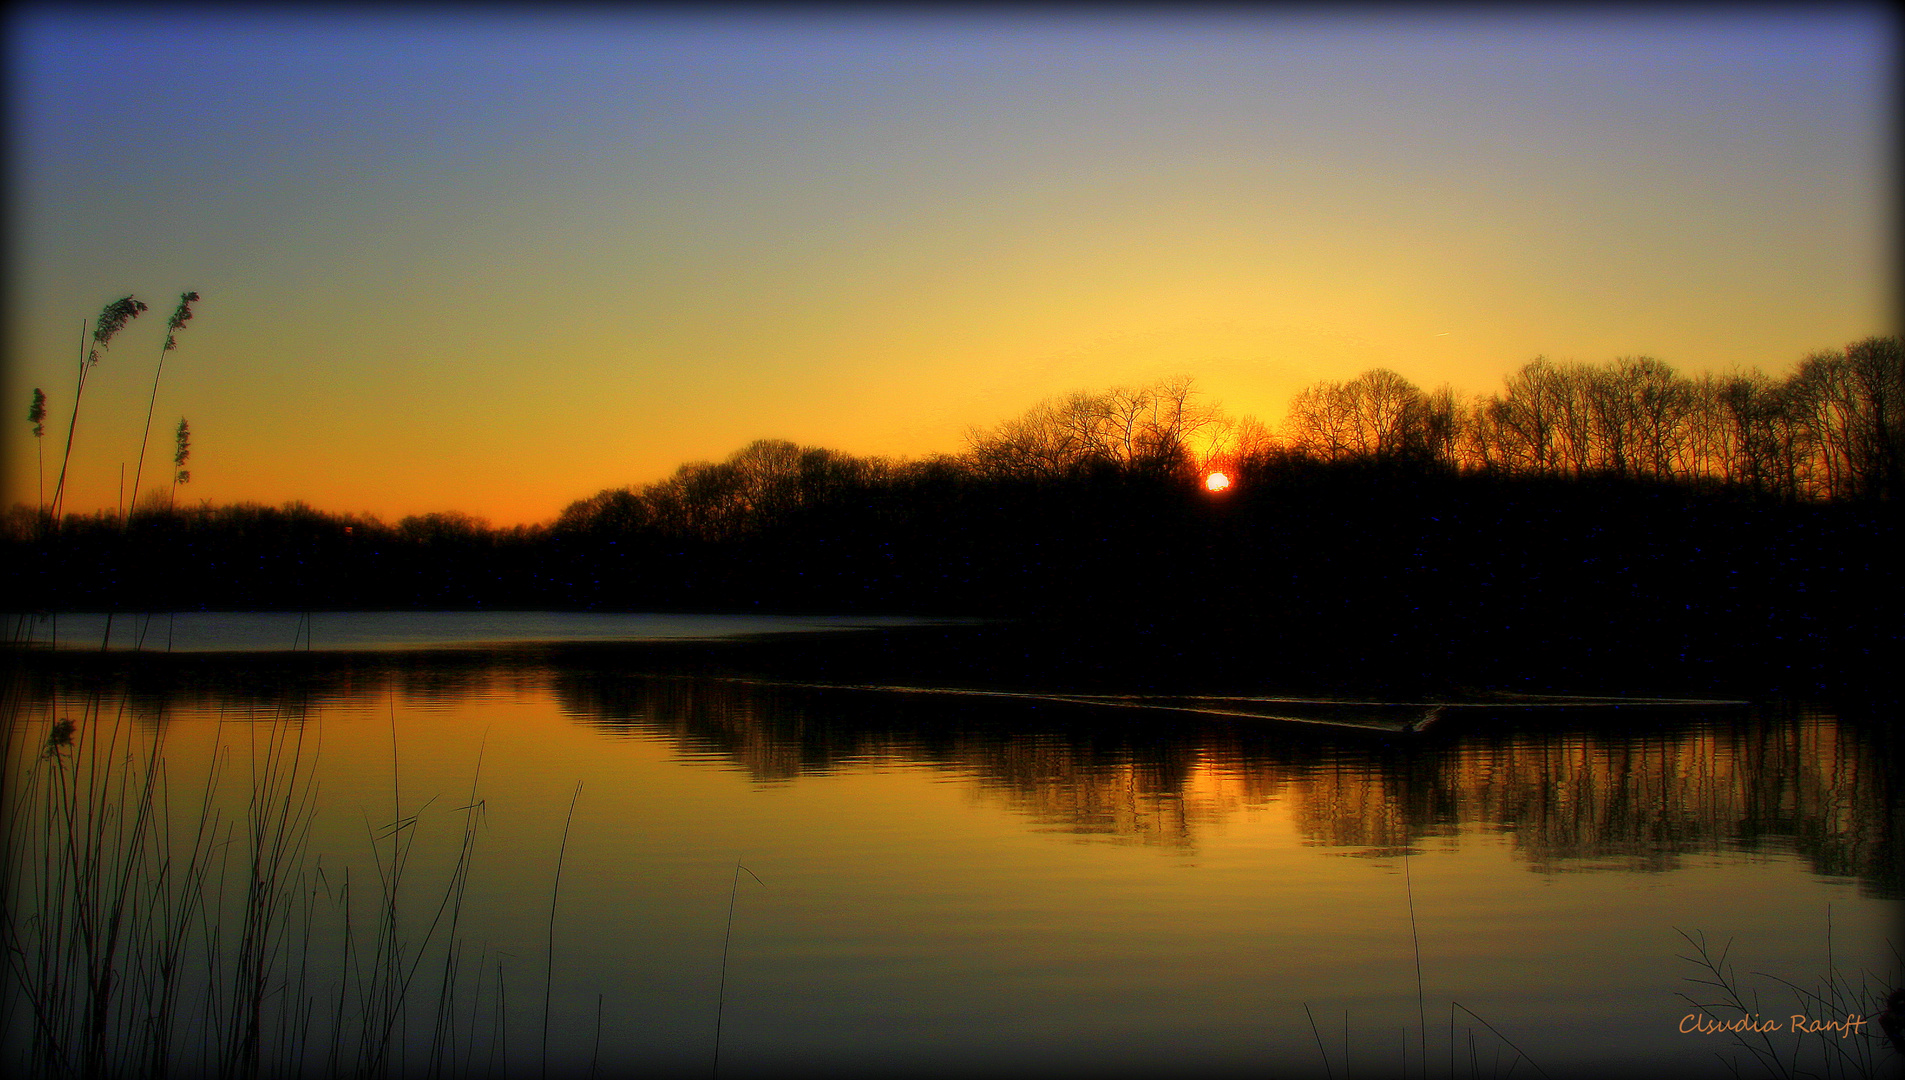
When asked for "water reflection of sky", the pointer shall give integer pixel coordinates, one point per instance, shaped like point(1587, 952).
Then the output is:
point(983, 885)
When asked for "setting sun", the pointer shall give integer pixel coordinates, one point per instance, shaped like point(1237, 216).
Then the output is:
point(1216, 481)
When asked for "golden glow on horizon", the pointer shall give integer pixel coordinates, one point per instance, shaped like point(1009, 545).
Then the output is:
point(1216, 482)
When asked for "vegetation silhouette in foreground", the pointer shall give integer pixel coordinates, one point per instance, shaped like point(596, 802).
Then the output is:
point(112, 319)
point(180, 316)
point(1843, 1040)
point(146, 938)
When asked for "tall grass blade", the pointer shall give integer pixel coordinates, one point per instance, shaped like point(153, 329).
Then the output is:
point(1415, 939)
point(1328, 1073)
point(150, 935)
point(549, 972)
point(1505, 1039)
point(721, 995)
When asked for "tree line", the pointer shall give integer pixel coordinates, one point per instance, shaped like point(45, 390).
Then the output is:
point(1616, 515)
point(1833, 429)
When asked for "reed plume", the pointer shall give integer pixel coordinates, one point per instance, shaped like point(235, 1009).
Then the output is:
point(181, 451)
point(37, 417)
point(112, 319)
point(180, 316)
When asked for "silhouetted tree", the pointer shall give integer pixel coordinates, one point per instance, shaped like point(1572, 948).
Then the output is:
point(1378, 415)
point(1146, 430)
point(1852, 404)
point(1638, 409)
point(1520, 429)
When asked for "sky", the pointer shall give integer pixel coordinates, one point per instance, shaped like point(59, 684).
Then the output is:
point(495, 262)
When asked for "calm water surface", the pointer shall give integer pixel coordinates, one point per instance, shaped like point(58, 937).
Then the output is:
point(973, 885)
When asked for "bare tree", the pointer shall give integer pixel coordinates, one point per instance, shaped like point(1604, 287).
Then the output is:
point(1522, 423)
point(1320, 423)
point(1047, 440)
point(1877, 375)
point(1630, 418)
point(1378, 414)
point(1441, 427)
point(1739, 433)
point(1641, 410)
point(1853, 405)
point(1143, 429)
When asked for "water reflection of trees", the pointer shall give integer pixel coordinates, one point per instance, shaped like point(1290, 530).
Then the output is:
point(1635, 798)
point(1641, 801)
point(153, 684)
point(1090, 790)
point(1624, 791)
point(1639, 794)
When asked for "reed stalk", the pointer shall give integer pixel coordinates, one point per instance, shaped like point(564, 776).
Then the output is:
point(1329, 1074)
point(112, 319)
point(149, 936)
point(549, 972)
point(727, 938)
point(1850, 1055)
point(36, 415)
point(1422, 1015)
point(180, 316)
point(443, 1035)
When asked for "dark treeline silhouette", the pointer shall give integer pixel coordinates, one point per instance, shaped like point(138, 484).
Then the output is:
point(1833, 430)
point(1583, 519)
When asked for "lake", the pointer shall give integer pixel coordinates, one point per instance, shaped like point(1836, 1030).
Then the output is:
point(684, 858)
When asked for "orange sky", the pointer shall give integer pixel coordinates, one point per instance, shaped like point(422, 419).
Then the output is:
point(495, 264)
